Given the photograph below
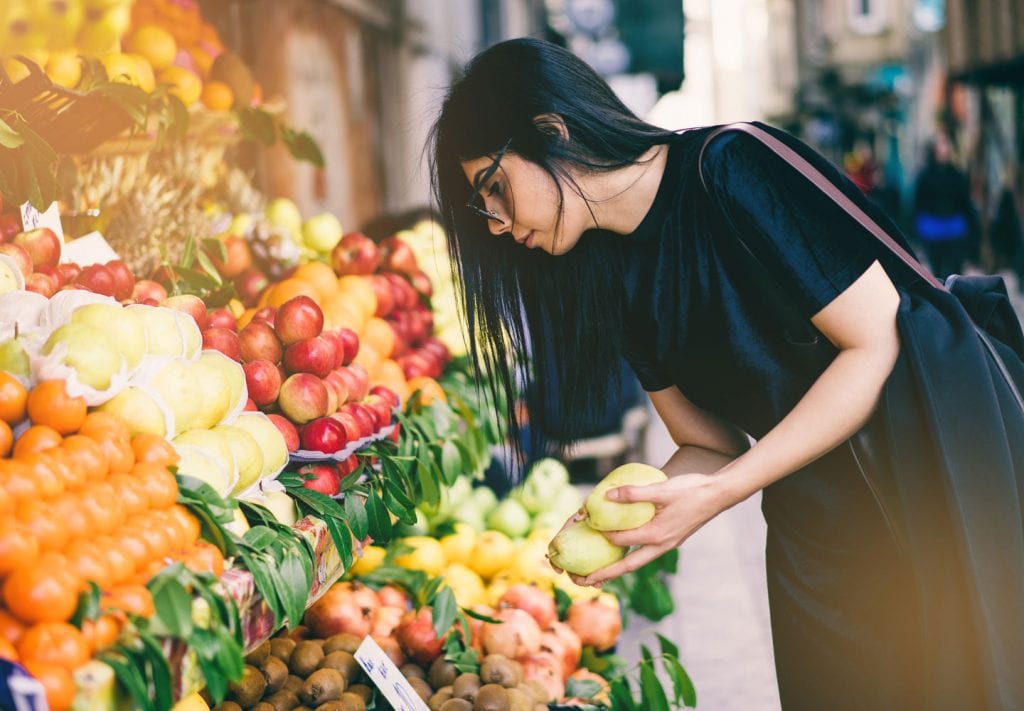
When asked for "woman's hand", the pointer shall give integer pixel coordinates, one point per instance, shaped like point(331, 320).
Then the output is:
point(682, 504)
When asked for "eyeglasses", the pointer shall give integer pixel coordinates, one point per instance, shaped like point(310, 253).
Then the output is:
point(487, 175)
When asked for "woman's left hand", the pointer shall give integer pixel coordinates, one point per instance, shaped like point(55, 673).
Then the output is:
point(682, 504)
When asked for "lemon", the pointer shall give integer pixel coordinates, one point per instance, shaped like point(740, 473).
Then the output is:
point(466, 585)
point(426, 555)
point(64, 69)
point(372, 557)
point(154, 43)
point(493, 551)
point(194, 702)
point(184, 84)
point(120, 68)
point(144, 72)
point(458, 546)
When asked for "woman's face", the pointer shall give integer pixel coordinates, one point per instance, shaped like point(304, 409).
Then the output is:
point(525, 199)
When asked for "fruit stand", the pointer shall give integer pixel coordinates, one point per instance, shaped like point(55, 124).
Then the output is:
point(242, 451)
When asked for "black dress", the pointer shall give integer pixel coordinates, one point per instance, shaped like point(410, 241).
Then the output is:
point(846, 624)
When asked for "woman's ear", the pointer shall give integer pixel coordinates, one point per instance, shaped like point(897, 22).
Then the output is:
point(552, 124)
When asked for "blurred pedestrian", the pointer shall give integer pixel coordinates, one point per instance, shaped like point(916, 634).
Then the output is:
point(572, 221)
point(944, 217)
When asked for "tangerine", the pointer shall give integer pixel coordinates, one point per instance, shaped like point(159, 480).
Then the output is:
point(75, 517)
point(69, 473)
point(321, 276)
point(50, 404)
point(217, 96)
point(54, 643)
point(57, 682)
point(154, 448)
point(13, 396)
point(44, 591)
point(18, 546)
point(358, 291)
point(49, 479)
point(160, 485)
point(90, 563)
point(44, 524)
point(370, 359)
point(205, 558)
point(107, 512)
point(7, 651)
point(429, 390)
point(184, 84)
point(288, 289)
point(37, 438)
point(187, 524)
point(101, 632)
point(11, 628)
point(119, 563)
point(114, 438)
point(6, 439)
point(18, 480)
point(133, 599)
point(6, 501)
point(87, 456)
point(131, 491)
point(379, 334)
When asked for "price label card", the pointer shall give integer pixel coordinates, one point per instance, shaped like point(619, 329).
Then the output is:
point(386, 677)
point(32, 219)
point(88, 249)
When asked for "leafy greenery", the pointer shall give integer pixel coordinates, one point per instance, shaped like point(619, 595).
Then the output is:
point(262, 126)
point(195, 273)
point(652, 693)
point(646, 591)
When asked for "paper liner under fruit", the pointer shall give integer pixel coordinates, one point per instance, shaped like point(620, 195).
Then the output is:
point(312, 456)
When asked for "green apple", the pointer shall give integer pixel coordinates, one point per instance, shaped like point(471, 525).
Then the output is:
point(139, 410)
point(469, 513)
point(483, 499)
point(200, 464)
point(163, 336)
point(14, 359)
point(284, 214)
point(581, 550)
point(510, 518)
point(175, 385)
point(321, 232)
point(247, 452)
point(605, 515)
point(270, 439)
point(122, 327)
point(87, 351)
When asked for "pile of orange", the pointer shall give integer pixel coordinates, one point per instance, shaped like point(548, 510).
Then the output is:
point(81, 501)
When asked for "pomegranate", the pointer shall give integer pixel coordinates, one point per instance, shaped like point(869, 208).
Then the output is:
point(597, 624)
point(391, 596)
point(365, 596)
point(386, 619)
point(415, 633)
point(338, 611)
point(586, 675)
point(542, 667)
point(531, 599)
point(564, 644)
point(476, 627)
point(517, 635)
point(391, 648)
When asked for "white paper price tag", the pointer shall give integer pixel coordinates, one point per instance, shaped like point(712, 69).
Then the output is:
point(32, 219)
point(88, 249)
point(386, 677)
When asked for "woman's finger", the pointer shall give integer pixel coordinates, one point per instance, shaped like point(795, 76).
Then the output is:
point(648, 534)
point(649, 493)
point(632, 562)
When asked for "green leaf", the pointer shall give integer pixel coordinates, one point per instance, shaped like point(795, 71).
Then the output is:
point(160, 671)
point(482, 617)
point(667, 646)
point(88, 607)
point(302, 146)
point(258, 125)
point(378, 519)
point(646, 653)
point(651, 598)
point(173, 607)
point(429, 591)
point(129, 675)
point(562, 602)
point(398, 503)
point(294, 589)
point(355, 509)
point(259, 537)
point(582, 688)
point(208, 266)
point(682, 685)
point(262, 572)
point(9, 138)
point(188, 252)
point(451, 462)
point(428, 481)
point(621, 695)
point(443, 611)
point(342, 538)
point(215, 247)
point(652, 696)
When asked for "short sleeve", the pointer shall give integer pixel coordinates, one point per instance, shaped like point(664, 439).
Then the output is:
point(810, 244)
point(652, 377)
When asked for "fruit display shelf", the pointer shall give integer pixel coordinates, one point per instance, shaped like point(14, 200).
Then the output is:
point(310, 456)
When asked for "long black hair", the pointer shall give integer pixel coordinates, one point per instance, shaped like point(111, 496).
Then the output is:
point(573, 308)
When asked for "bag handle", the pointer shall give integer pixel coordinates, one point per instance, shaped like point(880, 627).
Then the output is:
point(801, 165)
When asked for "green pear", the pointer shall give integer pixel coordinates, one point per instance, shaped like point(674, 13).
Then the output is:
point(510, 518)
point(232, 372)
point(484, 499)
point(216, 447)
point(14, 359)
point(139, 410)
point(199, 464)
point(215, 386)
point(122, 327)
point(581, 550)
point(10, 277)
point(190, 334)
point(247, 453)
point(605, 515)
point(88, 352)
point(182, 393)
point(163, 336)
point(270, 439)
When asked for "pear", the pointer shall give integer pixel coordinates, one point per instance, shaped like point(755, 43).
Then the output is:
point(217, 449)
point(163, 335)
point(247, 452)
point(279, 504)
point(175, 385)
point(215, 385)
point(232, 372)
point(581, 550)
point(605, 515)
point(10, 277)
point(122, 327)
point(199, 464)
point(14, 359)
point(87, 351)
point(269, 438)
point(140, 410)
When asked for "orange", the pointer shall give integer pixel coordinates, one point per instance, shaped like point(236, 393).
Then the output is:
point(17, 545)
point(169, 524)
point(114, 438)
point(76, 518)
point(87, 456)
point(49, 404)
point(101, 632)
point(206, 558)
point(68, 472)
point(184, 84)
point(188, 525)
point(158, 538)
point(6, 439)
point(106, 511)
point(18, 480)
point(203, 62)
point(321, 276)
point(44, 524)
point(245, 318)
point(429, 389)
point(217, 96)
point(359, 292)
point(133, 599)
point(11, 628)
point(119, 563)
point(135, 544)
point(54, 643)
point(341, 312)
point(42, 592)
point(46, 470)
point(7, 651)
point(369, 359)
point(153, 448)
point(159, 484)
point(155, 44)
point(12, 399)
point(132, 493)
point(6, 501)
point(380, 336)
point(287, 289)
point(89, 563)
point(37, 438)
point(57, 682)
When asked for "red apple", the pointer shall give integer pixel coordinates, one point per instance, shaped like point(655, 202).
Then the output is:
point(52, 272)
point(355, 253)
point(352, 426)
point(41, 283)
point(266, 315)
point(351, 340)
point(287, 430)
point(263, 380)
point(224, 340)
point(321, 478)
point(336, 381)
point(42, 244)
point(249, 285)
point(165, 276)
point(259, 342)
point(385, 297)
point(311, 355)
point(148, 289)
point(398, 256)
point(20, 257)
point(381, 407)
point(421, 283)
point(438, 347)
point(362, 379)
point(68, 272)
point(323, 435)
point(349, 466)
point(405, 295)
point(10, 225)
point(297, 319)
point(221, 318)
point(362, 416)
point(332, 398)
point(303, 398)
point(250, 405)
point(387, 393)
point(414, 365)
point(350, 382)
point(124, 280)
point(339, 346)
point(189, 304)
point(97, 279)
point(238, 257)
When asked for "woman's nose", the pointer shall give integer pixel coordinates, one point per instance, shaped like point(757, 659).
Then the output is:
point(498, 226)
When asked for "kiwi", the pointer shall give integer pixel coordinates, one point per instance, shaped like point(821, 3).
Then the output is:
point(491, 697)
point(456, 705)
point(344, 642)
point(422, 688)
point(292, 684)
point(248, 690)
point(498, 669)
point(361, 690)
point(283, 700)
point(442, 673)
point(331, 706)
point(282, 648)
point(439, 697)
point(263, 706)
point(343, 662)
point(276, 673)
point(519, 700)
point(352, 702)
point(305, 659)
point(465, 686)
point(412, 671)
point(323, 685)
point(227, 706)
point(259, 655)
point(535, 689)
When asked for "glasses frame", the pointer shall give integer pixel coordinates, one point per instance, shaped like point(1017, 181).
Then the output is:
point(488, 174)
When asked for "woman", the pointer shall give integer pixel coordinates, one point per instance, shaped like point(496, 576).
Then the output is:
point(562, 205)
